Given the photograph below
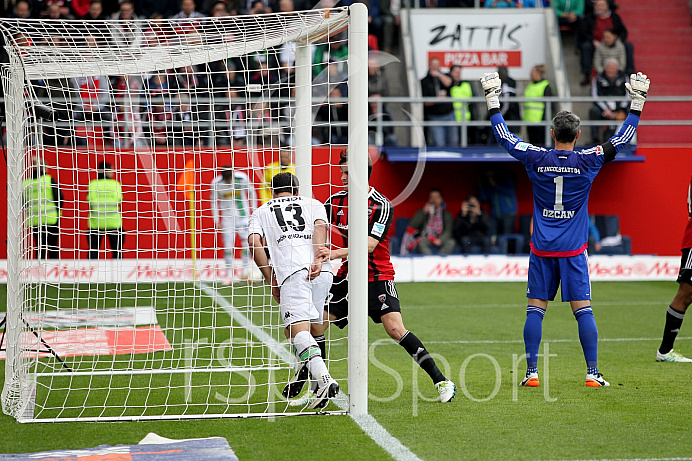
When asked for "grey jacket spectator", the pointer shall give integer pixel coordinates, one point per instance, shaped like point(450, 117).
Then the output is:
point(610, 48)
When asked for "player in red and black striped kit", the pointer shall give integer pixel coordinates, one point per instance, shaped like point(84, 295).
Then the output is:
point(383, 301)
point(683, 298)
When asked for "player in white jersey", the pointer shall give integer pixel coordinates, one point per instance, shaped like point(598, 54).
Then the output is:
point(295, 229)
point(232, 200)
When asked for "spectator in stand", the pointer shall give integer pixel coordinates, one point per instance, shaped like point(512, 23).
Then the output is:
point(610, 48)
point(376, 81)
point(591, 34)
point(499, 4)
point(43, 202)
point(336, 114)
point(219, 9)
point(430, 230)
point(437, 84)
point(387, 138)
point(611, 82)
point(569, 12)
point(188, 18)
point(95, 12)
point(460, 89)
point(326, 80)
point(472, 227)
point(335, 51)
point(509, 110)
point(534, 111)
point(54, 11)
point(499, 191)
point(391, 9)
point(128, 34)
point(21, 10)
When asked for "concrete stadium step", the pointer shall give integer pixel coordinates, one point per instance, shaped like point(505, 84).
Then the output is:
point(662, 39)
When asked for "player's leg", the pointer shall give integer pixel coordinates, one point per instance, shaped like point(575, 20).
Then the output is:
point(676, 312)
point(228, 235)
point(384, 307)
point(296, 300)
point(576, 288)
point(320, 293)
point(542, 286)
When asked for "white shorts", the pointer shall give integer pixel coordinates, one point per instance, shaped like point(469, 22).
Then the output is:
point(304, 300)
point(232, 225)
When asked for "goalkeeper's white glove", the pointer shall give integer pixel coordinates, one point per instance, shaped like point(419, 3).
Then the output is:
point(638, 88)
point(492, 86)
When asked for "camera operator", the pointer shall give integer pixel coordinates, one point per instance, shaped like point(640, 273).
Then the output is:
point(471, 227)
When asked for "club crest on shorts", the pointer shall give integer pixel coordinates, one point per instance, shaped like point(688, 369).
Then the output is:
point(382, 297)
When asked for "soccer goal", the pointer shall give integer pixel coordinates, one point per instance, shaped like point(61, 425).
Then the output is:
point(136, 151)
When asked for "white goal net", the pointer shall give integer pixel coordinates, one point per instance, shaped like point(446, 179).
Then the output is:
point(136, 152)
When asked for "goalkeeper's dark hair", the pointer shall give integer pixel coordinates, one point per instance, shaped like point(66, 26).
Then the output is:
point(343, 160)
point(285, 182)
point(566, 126)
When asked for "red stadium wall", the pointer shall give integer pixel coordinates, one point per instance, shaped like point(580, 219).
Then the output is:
point(649, 197)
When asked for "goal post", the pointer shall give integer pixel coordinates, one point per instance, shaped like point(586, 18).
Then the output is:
point(136, 151)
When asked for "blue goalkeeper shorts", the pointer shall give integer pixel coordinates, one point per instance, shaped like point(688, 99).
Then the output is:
point(546, 274)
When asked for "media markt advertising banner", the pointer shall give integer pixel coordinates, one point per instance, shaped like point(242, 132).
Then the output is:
point(479, 41)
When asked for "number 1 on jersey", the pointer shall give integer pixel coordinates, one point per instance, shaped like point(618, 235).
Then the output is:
point(559, 185)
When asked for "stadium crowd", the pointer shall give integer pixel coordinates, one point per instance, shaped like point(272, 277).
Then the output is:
point(168, 104)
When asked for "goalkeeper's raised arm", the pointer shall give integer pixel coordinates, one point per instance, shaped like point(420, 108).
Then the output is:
point(637, 87)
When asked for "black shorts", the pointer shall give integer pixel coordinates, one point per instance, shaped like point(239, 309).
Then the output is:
point(685, 274)
point(382, 299)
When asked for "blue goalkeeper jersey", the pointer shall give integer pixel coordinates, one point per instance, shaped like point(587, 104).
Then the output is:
point(561, 184)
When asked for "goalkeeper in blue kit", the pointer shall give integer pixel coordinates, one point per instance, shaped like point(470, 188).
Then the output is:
point(561, 180)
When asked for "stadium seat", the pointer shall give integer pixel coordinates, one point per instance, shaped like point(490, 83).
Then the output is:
point(510, 243)
point(395, 240)
point(609, 227)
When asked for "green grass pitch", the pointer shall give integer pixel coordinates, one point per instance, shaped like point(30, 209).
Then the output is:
point(475, 332)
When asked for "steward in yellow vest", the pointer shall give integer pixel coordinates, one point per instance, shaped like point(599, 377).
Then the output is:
point(105, 217)
point(43, 204)
point(534, 111)
point(284, 165)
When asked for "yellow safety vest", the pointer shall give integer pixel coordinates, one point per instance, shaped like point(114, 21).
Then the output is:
point(461, 91)
point(533, 111)
point(104, 198)
point(270, 171)
point(40, 203)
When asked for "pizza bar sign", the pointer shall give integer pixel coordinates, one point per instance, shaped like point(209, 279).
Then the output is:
point(479, 41)
point(477, 58)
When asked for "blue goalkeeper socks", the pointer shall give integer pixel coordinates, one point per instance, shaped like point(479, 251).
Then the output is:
point(533, 329)
point(588, 336)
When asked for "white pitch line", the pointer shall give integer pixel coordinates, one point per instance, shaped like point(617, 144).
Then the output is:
point(367, 423)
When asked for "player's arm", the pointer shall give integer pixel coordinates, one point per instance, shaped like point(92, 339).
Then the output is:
point(319, 241)
point(492, 86)
point(638, 89)
point(260, 257)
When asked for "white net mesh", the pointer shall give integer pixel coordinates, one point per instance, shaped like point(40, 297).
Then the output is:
point(131, 294)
